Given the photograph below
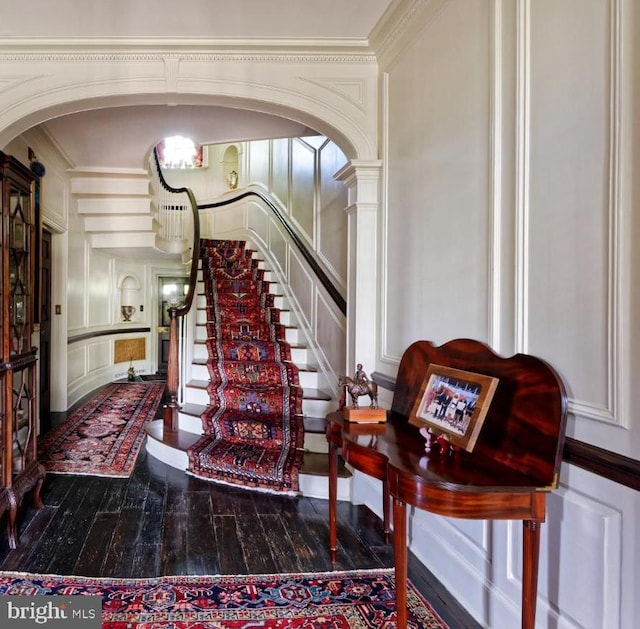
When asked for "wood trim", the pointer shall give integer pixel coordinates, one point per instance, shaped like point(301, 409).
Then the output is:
point(605, 463)
point(610, 465)
point(91, 335)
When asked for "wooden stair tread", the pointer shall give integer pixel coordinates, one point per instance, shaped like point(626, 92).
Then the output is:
point(316, 394)
point(180, 439)
point(314, 463)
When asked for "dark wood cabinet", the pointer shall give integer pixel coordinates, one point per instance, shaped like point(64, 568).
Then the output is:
point(21, 472)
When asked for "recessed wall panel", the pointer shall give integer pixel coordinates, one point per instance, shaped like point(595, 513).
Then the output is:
point(302, 185)
point(259, 162)
point(333, 199)
point(99, 355)
point(75, 363)
point(280, 167)
point(438, 174)
point(568, 273)
point(302, 287)
point(99, 289)
point(330, 333)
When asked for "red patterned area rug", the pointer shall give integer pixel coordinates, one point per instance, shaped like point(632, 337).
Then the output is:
point(329, 600)
point(104, 436)
point(253, 434)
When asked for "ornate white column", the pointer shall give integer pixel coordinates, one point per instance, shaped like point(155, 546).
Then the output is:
point(362, 179)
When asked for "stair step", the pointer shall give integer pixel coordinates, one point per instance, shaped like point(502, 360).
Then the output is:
point(200, 371)
point(315, 440)
point(183, 440)
point(171, 448)
point(299, 353)
point(286, 317)
point(315, 405)
point(311, 424)
point(291, 334)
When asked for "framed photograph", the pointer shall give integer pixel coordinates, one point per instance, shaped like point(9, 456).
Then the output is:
point(454, 402)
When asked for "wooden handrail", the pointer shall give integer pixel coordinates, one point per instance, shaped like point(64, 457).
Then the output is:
point(170, 411)
point(326, 282)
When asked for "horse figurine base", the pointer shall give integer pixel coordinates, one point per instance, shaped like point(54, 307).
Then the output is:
point(364, 415)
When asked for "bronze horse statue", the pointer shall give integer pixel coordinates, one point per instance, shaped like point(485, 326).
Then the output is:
point(357, 389)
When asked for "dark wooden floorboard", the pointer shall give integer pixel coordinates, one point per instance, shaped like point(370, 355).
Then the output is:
point(96, 545)
point(163, 522)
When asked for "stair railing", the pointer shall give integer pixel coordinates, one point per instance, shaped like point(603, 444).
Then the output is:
point(322, 276)
point(175, 200)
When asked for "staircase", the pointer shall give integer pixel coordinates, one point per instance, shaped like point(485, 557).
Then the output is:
point(172, 447)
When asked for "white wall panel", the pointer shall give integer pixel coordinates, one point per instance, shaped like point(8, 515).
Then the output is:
point(99, 355)
point(278, 246)
point(302, 188)
point(100, 290)
point(76, 363)
point(54, 200)
point(330, 332)
point(226, 220)
point(302, 285)
point(77, 282)
point(437, 214)
point(258, 221)
point(568, 275)
point(332, 245)
point(280, 171)
point(258, 157)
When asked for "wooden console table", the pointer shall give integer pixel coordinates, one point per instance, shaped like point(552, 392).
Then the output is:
point(513, 466)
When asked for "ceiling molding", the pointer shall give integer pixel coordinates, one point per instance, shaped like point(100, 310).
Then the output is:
point(186, 48)
point(399, 24)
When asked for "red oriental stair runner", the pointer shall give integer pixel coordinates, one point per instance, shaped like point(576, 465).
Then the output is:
point(253, 427)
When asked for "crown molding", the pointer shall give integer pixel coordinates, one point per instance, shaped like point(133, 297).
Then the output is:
point(399, 24)
point(190, 49)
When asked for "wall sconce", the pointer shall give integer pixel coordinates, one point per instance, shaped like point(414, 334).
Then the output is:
point(232, 180)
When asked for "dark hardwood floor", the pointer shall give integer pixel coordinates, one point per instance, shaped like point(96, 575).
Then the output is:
point(163, 522)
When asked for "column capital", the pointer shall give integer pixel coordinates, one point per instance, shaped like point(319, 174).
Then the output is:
point(358, 168)
point(362, 179)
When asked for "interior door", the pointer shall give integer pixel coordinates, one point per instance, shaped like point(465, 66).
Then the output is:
point(45, 331)
point(170, 290)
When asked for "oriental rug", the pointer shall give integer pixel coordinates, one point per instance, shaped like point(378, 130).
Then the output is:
point(252, 428)
point(104, 436)
point(329, 600)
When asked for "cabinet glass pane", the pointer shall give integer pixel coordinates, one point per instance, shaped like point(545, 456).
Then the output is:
point(23, 434)
point(20, 281)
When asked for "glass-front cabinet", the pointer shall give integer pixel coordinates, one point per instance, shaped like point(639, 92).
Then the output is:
point(21, 472)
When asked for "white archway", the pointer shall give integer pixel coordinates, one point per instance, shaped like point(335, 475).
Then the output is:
point(333, 94)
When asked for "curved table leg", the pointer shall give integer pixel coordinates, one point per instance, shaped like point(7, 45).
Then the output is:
point(400, 556)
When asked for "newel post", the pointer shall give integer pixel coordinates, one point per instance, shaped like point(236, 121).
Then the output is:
point(170, 413)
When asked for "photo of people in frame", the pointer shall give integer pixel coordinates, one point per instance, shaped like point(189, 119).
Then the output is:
point(449, 403)
point(453, 402)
